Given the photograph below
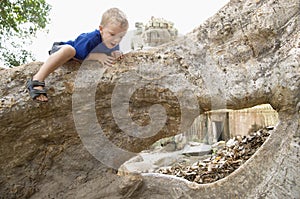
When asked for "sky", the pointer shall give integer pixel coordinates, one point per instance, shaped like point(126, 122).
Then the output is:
point(71, 18)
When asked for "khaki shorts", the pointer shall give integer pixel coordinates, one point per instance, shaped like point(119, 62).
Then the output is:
point(55, 47)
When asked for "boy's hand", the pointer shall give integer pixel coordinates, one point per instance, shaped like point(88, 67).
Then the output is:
point(117, 54)
point(102, 58)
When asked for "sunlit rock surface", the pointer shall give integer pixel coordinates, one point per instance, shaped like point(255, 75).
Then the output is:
point(247, 54)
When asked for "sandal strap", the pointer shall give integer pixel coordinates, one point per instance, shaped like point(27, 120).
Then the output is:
point(34, 83)
point(36, 91)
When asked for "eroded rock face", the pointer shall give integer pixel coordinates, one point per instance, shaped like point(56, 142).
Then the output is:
point(245, 55)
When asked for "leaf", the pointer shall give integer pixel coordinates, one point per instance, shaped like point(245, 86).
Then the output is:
point(19, 21)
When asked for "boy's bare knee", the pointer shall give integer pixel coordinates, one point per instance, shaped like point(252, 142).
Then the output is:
point(68, 51)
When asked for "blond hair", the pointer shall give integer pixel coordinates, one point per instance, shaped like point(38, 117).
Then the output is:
point(114, 15)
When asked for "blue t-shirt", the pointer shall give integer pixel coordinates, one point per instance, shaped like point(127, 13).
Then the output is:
point(86, 43)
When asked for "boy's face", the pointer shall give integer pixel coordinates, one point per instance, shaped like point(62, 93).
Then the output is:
point(112, 34)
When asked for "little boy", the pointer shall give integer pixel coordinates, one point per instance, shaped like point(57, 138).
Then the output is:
point(101, 44)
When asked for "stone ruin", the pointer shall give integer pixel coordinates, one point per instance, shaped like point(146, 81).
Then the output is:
point(245, 55)
point(156, 32)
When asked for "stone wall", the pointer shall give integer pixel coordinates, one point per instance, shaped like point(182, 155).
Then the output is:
point(211, 127)
point(242, 122)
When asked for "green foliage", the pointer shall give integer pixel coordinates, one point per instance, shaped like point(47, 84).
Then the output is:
point(19, 22)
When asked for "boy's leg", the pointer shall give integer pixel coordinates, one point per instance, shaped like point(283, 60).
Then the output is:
point(65, 53)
